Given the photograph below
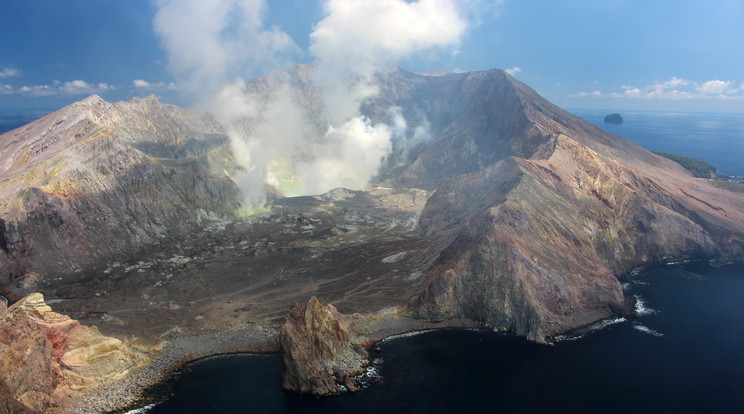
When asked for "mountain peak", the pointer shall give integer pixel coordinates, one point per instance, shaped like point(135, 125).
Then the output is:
point(92, 100)
point(483, 171)
point(435, 72)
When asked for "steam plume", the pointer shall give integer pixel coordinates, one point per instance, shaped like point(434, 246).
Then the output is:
point(211, 45)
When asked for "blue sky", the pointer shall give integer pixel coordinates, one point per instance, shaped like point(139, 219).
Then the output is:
point(683, 55)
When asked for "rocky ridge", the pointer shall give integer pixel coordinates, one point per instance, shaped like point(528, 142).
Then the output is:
point(508, 211)
point(95, 181)
point(47, 360)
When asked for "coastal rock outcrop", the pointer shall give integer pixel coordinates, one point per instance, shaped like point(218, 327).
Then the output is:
point(613, 119)
point(48, 359)
point(493, 205)
point(318, 352)
point(536, 243)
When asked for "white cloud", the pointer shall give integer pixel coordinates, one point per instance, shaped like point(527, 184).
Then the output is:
point(514, 70)
point(76, 87)
point(6, 90)
point(585, 94)
point(379, 32)
point(632, 92)
point(79, 87)
point(154, 86)
point(680, 89)
point(9, 73)
point(210, 43)
point(713, 87)
point(673, 83)
point(359, 37)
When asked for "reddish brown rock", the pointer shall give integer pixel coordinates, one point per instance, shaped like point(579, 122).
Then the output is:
point(318, 353)
point(48, 359)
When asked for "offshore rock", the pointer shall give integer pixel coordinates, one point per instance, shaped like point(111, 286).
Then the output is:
point(48, 359)
point(613, 119)
point(319, 355)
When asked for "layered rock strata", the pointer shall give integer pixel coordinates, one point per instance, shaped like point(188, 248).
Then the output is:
point(48, 359)
point(318, 353)
point(97, 180)
point(494, 205)
point(536, 242)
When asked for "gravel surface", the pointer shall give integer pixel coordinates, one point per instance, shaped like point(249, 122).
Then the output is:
point(179, 350)
point(182, 348)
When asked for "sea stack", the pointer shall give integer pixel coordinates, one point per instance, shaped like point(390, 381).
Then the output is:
point(318, 353)
point(613, 119)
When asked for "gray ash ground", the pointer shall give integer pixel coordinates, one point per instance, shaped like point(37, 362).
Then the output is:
point(345, 248)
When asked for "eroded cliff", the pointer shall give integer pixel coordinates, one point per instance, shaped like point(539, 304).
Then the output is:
point(319, 354)
point(48, 359)
point(494, 205)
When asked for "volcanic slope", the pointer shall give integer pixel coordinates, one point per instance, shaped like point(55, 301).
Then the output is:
point(494, 205)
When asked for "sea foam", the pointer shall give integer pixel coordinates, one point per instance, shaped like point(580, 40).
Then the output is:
point(640, 307)
point(406, 335)
point(647, 330)
point(142, 410)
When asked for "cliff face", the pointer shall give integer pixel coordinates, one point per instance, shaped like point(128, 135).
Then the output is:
point(97, 180)
point(493, 205)
point(48, 359)
point(317, 351)
point(535, 243)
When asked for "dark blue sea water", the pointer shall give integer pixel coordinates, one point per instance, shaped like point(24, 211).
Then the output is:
point(711, 137)
point(10, 120)
point(683, 354)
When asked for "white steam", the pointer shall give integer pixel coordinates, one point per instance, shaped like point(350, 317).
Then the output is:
point(212, 45)
point(209, 43)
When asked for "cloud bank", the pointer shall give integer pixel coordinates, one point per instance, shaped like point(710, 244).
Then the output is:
point(9, 73)
point(75, 87)
point(676, 89)
point(213, 46)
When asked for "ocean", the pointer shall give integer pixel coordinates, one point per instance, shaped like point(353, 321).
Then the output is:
point(10, 120)
point(684, 353)
point(715, 138)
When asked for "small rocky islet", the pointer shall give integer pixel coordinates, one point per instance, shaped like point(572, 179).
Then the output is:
point(613, 118)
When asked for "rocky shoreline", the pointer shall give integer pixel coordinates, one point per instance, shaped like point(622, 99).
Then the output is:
point(179, 350)
point(182, 348)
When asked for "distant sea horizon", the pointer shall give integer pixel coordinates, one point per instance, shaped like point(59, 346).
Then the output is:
point(11, 119)
point(716, 138)
point(683, 353)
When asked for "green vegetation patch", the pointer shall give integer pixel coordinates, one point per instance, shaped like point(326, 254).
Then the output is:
point(698, 168)
point(729, 185)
